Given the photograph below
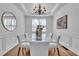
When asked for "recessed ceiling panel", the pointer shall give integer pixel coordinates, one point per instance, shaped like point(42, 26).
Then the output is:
point(30, 6)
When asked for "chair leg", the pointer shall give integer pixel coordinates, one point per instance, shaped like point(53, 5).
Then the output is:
point(58, 51)
point(29, 52)
point(49, 52)
point(54, 51)
point(23, 51)
point(26, 51)
point(18, 51)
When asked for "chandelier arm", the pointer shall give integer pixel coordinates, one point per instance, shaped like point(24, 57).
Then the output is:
point(39, 9)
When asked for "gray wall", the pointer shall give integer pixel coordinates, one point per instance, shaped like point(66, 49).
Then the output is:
point(28, 23)
point(8, 38)
point(70, 36)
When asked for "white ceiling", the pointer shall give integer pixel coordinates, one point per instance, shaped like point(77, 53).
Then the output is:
point(27, 8)
point(30, 6)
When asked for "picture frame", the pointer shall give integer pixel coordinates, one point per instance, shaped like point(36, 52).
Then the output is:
point(62, 22)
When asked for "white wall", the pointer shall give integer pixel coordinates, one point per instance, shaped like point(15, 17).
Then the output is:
point(8, 38)
point(70, 36)
point(28, 23)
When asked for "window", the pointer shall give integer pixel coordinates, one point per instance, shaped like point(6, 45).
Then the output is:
point(36, 22)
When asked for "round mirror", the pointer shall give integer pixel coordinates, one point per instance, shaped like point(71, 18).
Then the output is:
point(9, 21)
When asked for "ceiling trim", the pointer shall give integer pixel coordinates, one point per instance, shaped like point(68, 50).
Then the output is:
point(51, 14)
point(54, 9)
point(24, 8)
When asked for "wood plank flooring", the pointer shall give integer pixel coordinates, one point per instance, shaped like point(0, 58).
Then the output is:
point(62, 50)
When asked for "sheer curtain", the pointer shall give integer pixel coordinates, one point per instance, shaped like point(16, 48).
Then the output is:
point(36, 22)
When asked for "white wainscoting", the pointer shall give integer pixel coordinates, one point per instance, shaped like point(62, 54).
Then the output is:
point(71, 41)
point(7, 42)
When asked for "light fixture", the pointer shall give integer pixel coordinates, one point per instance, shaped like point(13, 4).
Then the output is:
point(39, 9)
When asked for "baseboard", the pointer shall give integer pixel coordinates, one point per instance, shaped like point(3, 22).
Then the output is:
point(65, 48)
point(70, 48)
point(4, 52)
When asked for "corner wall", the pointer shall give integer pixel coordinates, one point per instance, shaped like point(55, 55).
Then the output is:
point(8, 38)
point(70, 36)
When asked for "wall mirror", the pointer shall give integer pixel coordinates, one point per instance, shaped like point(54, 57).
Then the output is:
point(9, 21)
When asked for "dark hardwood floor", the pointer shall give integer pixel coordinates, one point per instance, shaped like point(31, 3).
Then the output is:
point(63, 52)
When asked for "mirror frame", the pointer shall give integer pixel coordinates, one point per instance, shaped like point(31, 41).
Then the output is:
point(3, 23)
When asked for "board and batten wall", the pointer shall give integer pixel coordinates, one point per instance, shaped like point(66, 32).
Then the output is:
point(8, 38)
point(28, 23)
point(69, 36)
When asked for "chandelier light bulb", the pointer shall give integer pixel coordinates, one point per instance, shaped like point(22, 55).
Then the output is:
point(39, 9)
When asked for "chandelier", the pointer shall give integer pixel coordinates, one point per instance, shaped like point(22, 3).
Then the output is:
point(39, 9)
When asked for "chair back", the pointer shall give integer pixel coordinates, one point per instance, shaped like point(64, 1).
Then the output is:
point(18, 39)
point(55, 41)
point(21, 38)
point(51, 36)
point(58, 39)
point(27, 36)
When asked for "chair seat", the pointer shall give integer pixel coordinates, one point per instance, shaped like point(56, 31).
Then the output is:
point(52, 45)
point(25, 45)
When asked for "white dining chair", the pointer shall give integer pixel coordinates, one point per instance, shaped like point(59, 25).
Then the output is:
point(23, 44)
point(54, 44)
point(27, 36)
point(50, 36)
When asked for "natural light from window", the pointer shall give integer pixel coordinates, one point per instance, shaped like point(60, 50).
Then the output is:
point(36, 22)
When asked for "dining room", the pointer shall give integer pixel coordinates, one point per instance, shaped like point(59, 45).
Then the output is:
point(39, 29)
